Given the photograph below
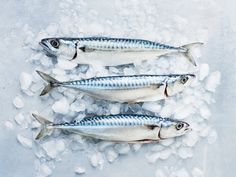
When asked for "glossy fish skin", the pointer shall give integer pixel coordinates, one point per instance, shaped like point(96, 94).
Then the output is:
point(120, 128)
point(85, 48)
point(137, 88)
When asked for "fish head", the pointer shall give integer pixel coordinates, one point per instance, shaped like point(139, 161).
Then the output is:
point(177, 83)
point(64, 47)
point(173, 128)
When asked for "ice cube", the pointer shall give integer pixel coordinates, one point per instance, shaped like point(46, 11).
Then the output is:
point(203, 71)
point(213, 81)
point(53, 148)
point(196, 172)
point(122, 148)
point(205, 112)
point(159, 173)
point(19, 118)
point(167, 142)
point(45, 170)
point(185, 152)
point(66, 64)
point(212, 137)
point(136, 146)
point(9, 125)
point(152, 157)
point(18, 102)
point(167, 111)
point(25, 80)
point(97, 160)
point(114, 108)
point(184, 111)
point(111, 155)
point(104, 144)
point(191, 138)
point(152, 106)
point(165, 153)
point(26, 142)
point(180, 173)
point(61, 106)
point(79, 170)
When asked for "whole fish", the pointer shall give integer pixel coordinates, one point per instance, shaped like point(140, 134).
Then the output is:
point(120, 128)
point(136, 88)
point(110, 51)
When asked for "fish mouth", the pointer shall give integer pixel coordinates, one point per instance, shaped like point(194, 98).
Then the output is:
point(46, 48)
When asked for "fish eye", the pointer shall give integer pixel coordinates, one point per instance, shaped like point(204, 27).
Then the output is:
point(55, 43)
point(184, 79)
point(179, 126)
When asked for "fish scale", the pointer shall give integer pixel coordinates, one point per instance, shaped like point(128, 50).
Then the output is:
point(122, 43)
point(121, 82)
point(119, 120)
point(136, 88)
point(107, 51)
point(120, 128)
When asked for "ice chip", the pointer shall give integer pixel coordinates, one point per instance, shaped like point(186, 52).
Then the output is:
point(111, 155)
point(203, 71)
point(25, 80)
point(79, 170)
point(19, 118)
point(152, 106)
point(205, 112)
point(159, 173)
point(18, 102)
point(97, 160)
point(61, 106)
point(191, 138)
point(196, 172)
point(9, 125)
point(114, 109)
point(53, 148)
point(213, 81)
point(45, 170)
point(122, 148)
point(185, 152)
point(181, 173)
point(212, 137)
point(66, 64)
point(26, 142)
point(165, 154)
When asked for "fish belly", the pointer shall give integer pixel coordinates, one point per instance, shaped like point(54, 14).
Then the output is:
point(115, 133)
point(113, 58)
point(129, 95)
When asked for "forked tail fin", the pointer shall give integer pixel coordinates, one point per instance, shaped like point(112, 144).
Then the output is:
point(188, 49)
point(52, 82)
point(44, 126)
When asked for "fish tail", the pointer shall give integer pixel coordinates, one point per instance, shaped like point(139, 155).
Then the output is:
point(44, 126)
point(52, 82)
point(187, 52)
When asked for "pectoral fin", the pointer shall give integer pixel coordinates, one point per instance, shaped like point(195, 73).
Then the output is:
point(86, 49)
point(156, 86)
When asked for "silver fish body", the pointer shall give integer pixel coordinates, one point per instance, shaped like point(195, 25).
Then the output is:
point(137, 88)
point(121, 128)
point(110, 51)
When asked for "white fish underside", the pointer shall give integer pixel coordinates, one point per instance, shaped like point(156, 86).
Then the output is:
point(121, 52)
point(131, 95)
point(126, 133)
point(99, 58)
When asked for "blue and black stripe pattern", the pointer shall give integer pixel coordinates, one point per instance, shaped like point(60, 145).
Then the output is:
point(123, 120)
point(122, 43)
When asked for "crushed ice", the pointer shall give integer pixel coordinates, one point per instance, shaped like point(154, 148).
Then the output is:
point(192, 105)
